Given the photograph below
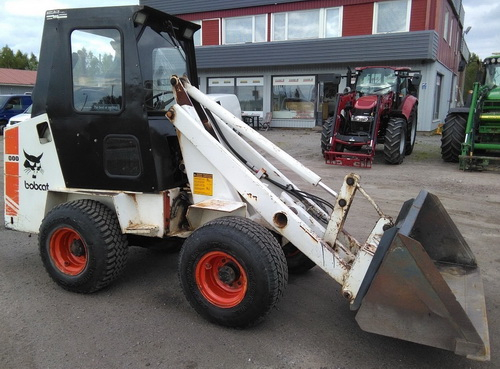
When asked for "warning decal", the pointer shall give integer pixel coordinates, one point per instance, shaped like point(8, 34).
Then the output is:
point(11, 171)
point(203, 184)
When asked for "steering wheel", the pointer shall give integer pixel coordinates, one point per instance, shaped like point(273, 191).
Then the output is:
point(159, 104)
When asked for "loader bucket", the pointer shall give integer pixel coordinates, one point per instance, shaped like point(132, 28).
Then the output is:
point(424, 285)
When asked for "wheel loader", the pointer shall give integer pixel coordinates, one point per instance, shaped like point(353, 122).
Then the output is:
point(379, 105)
point(471, 134)
point(123, 149)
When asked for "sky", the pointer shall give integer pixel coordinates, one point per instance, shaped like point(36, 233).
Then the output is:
point(22, 24)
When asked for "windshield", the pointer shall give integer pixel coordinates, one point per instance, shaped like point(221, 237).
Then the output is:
point(377, 81)
point(3, 100)
point(492, 75)
point(161, 56)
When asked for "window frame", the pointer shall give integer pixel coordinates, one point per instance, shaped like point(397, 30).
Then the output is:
point(287, 81)
point(73, 45)
point(254, 23)
point(198, 33)
point(234, 82)
point(450, 32)
point(445, 27)
point(376, 14)
point(341, 17)
point(322, 22)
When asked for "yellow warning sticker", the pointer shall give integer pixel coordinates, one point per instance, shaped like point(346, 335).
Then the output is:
point(203, 184)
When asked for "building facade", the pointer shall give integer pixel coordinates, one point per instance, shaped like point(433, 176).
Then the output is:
point(16, 81)
point(278, 56)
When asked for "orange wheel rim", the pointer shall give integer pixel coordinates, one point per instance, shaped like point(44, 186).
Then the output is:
point(221, 279)
point(68, 251)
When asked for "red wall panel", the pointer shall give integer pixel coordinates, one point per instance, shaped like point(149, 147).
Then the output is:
point(211, 32)
point(418, 15)
point(358, 20)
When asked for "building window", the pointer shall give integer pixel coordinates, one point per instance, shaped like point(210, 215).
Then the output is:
point(307, 24)
point(333, 22)
point(249, 91)
point(437, 95)
point(294, 97)
point(244, 29)
point(221, 86)
point(445, 28)
point(197, 35)
point(451, 32)
point(97, 70)
point(391, 16)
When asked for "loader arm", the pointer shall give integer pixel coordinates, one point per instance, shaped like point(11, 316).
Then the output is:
point(254, 183)
point(449, 292)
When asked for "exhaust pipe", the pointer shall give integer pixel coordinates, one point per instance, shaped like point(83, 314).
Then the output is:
point(424, 285)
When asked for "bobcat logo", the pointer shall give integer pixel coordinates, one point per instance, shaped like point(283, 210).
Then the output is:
point(32, 164)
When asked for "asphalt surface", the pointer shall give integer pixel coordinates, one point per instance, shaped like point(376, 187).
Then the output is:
point(143, 320)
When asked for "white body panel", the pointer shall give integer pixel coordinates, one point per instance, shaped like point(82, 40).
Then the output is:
point(33, 165)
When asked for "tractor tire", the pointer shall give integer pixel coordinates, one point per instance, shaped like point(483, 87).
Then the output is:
point(326, 135)
point(411, 131)
point(453, 136)
point(395, 141)
point(297, 261)
point(232, 271)
point(82, 246)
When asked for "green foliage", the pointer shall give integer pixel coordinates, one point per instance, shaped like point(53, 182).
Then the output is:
point(18, 60)
point(473, 73)
point(87, 65)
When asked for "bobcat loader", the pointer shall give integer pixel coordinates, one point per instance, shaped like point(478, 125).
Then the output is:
point(122, 149)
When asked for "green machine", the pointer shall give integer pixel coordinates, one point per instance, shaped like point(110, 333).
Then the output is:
point(471, 135)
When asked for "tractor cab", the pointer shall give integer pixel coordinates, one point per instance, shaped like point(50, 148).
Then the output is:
point(376, 80)
point(492, 68)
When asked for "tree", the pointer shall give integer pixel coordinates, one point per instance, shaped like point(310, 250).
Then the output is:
point(473, 72)
point(18, 60)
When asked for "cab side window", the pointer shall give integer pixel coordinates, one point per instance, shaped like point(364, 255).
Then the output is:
point(16, 103)
point(97, 70)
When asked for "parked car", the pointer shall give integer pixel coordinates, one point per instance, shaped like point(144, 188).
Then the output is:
point(16, 119)
point(11, 105)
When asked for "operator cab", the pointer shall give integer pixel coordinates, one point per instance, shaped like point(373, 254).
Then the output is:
point(375, 81)
point(108, 99)
point(492, 68)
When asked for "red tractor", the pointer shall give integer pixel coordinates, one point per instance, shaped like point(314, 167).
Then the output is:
point(379, 105)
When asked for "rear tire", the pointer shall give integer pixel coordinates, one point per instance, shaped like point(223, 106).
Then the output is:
point(232, 271)
point(453, 136)
point(81, 246)
point(395, 141)
point(297, 261)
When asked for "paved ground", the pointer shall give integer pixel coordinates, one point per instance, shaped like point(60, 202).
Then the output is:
point(144, 321)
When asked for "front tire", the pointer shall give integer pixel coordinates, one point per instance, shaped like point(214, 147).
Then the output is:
point(453, 136)
point(412, 131)
point(232, 271)
point(81, 246)
point(395, 141)
point(326, 134)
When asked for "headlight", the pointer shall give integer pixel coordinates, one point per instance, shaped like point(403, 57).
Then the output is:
point(362, 118)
